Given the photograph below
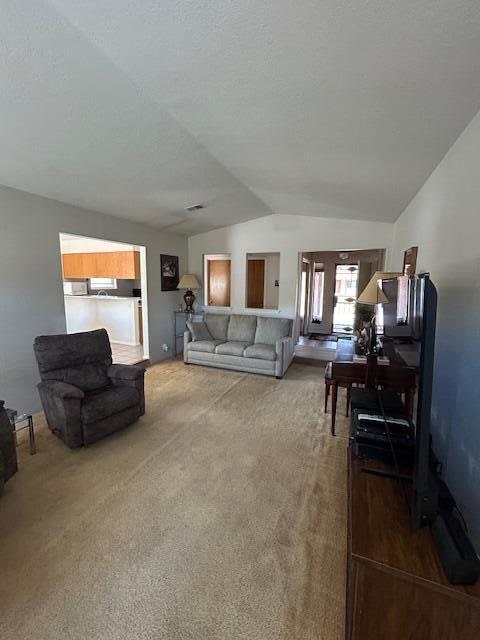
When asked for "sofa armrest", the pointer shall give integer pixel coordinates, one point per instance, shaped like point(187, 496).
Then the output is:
point(284, 349)
point(187, 337)
point(61, 389)
point(125, 372)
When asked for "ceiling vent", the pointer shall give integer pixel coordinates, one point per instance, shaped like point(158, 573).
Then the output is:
point(194, 207)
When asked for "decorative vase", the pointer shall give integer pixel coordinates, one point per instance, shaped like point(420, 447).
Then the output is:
point(189, 298)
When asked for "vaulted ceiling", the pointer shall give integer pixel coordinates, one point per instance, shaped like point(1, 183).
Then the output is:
point(140, 108)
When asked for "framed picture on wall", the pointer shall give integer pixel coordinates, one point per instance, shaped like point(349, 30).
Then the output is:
point(410, 261)
point(169, 272)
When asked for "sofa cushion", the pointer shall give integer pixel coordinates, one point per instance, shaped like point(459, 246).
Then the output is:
point(217, 324)
point(261, 351)
point(269, 330)
point(232, 348)
point(199, 331)
point(107, 402)
point(207, 346)
point(242, 328)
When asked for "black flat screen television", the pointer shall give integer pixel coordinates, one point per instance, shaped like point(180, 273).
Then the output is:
point(409, 317)
point(422, 320)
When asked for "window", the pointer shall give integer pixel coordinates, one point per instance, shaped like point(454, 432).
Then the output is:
point(103, 283)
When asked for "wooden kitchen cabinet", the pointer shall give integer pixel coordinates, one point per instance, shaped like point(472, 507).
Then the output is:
point(114, 264)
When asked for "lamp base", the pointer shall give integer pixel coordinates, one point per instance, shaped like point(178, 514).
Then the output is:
point(372, 347)
point(189, 298)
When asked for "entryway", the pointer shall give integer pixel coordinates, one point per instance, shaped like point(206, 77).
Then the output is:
point(105, 286)
point(329, 283)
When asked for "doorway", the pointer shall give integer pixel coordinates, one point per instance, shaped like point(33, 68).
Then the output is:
point(345, 297)
point(217, 279)
point(105, 286)
point(329, 283)
point(262, 281)
point(255, 283)
point(304, 288)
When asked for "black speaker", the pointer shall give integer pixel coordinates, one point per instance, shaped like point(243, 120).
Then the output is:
point(458, 557)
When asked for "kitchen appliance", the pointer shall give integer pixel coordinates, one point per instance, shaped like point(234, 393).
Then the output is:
point(75, 288)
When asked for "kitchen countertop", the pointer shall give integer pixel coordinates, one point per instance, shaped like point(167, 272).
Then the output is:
point(95, 297)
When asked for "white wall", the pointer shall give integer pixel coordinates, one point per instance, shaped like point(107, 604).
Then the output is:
point(444, 221)
point(79, 244)
point(31, 282)
point(119, 316)
point(288, 235)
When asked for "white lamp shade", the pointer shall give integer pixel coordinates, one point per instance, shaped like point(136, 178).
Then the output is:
point(189, 281)
point(373, 293)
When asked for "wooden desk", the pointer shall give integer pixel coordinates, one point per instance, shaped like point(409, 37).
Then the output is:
point(396, 587)
point(350, 373)
point(346, 350)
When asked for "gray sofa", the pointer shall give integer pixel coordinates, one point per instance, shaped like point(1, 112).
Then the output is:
point(256, 344)
point(85, 397)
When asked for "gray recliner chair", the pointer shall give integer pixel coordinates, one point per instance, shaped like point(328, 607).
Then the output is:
point(84, 396)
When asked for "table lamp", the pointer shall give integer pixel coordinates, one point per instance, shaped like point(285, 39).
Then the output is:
point(189, 281)
point(373, 294)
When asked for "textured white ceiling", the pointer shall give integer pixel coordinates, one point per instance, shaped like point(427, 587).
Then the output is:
point(140, 108)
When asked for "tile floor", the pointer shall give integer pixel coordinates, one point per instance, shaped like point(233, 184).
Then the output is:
point(316, 349)
point(124, 354)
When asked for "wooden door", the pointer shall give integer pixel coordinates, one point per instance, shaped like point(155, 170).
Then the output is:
point(255, 284)
point(219, 283)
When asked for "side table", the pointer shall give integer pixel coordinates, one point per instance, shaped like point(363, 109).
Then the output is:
point(180, 325)
point(17, 419)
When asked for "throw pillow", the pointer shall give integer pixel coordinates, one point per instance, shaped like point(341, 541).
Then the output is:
point(199, 331)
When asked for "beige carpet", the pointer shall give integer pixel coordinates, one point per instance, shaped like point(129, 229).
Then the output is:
point(220, 515)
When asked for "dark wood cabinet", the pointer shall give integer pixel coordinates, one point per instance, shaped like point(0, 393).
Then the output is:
point(396, 587)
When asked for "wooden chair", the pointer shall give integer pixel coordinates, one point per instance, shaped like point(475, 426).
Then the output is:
point(342, 374)
point(401, 380)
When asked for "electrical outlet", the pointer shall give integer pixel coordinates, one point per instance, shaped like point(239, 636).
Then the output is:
point(165, 347)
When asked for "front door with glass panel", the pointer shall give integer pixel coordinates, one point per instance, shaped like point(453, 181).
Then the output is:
point(346, 291)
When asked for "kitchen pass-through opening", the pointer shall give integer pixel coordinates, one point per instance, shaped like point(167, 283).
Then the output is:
point(105, 286)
